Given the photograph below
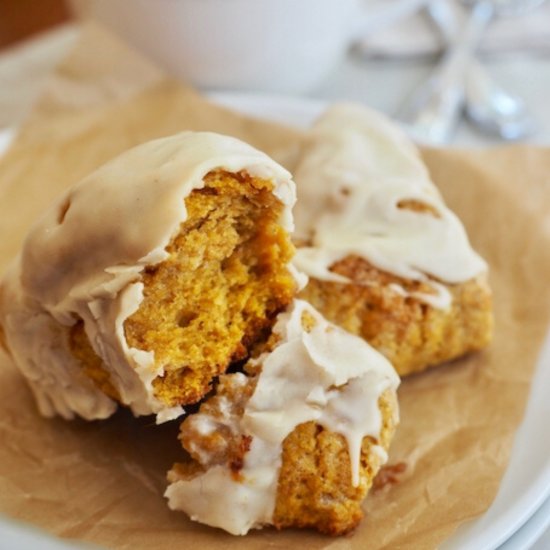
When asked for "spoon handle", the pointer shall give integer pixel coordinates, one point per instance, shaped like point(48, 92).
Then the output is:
point(434, 110)
point(492, 109)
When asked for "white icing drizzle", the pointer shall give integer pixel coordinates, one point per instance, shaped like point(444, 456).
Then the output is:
point(326, 375)
point(84, 257)
point(356, 170)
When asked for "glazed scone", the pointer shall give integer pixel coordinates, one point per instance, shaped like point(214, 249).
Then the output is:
point(387, 259)
point(150, 276)
point(295, 442)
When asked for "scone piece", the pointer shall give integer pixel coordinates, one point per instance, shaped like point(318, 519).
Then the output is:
point(149, 277)
point(297, 441)
point(411, 333)
point(387, 260)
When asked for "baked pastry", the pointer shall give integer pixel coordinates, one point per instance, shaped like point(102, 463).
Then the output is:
point(150, 276)
point(295, 442)
point(386, 258)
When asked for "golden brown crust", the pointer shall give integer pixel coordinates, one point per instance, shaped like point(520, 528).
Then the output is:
point(410, 333)
point(315, 488)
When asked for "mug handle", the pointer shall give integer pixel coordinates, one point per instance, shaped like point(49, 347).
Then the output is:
point(383, 15)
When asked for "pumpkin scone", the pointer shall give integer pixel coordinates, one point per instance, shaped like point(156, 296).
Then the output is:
point(147, 279)
point(386, 258)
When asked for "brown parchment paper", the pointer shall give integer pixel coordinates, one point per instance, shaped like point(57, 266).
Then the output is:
point(103, 481)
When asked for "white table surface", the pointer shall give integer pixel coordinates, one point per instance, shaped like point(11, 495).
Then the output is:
point(383, 85)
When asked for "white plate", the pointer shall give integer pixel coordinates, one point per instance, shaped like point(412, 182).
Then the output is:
point(526, 484)
point(532, 532)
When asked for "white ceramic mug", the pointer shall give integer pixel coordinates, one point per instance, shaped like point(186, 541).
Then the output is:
point(270, 45)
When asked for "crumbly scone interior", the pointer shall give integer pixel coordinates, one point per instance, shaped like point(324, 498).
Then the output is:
point(315, 488)
point(222, 286)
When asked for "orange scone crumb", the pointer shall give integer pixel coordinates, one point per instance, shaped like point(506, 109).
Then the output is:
point(315, 488)
point(223, 284)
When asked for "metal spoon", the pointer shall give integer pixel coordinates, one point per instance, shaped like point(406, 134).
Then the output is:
point(434, 111)
point(488, 106)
